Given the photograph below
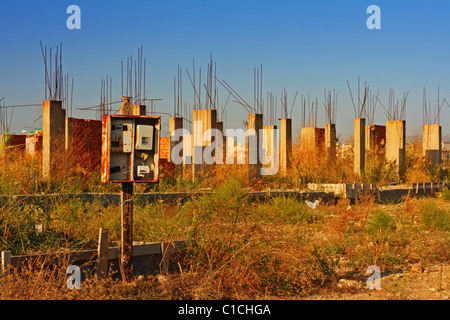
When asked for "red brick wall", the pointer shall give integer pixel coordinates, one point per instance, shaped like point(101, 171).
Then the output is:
point(87, 142)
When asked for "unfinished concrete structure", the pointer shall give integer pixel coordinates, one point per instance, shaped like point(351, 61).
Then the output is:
point(313, 140)
point(396, 144)
point(285, 145)
point(330, 141)
point(432, 144)
point(359, 149)
point(375, 139)
point(253, 143)
point(175, 123)
point(204, 121)
point(53, 128)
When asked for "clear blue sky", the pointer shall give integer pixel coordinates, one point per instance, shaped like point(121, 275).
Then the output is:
point(305, 46)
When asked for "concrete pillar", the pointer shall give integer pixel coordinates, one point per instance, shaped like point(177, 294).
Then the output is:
point(330, 140)
point(202, 121)
point(126, 108)
point(220, 150)
point(359, 140)
point(313, 140)
point(285, 145)
point(396, 143)
point(432, 144)
point(174, 124)
point(187, 155)
point(255, 126)
point(53, 131)
point(139, 110)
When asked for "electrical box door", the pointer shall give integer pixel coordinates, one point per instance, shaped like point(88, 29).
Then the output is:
point(130, 148)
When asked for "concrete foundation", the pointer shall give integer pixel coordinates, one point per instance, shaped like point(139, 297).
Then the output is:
point(396, 144)
point(253, 143)
point(285, 145)
point(432, 144)
point(53, 129)
point(330, 140)
point(359, 149)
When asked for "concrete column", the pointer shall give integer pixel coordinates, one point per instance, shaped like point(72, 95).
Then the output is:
point(255, 126)
point(396, 143)
point(202, 121)
point(126, 108)
point(285, 145)
point(139, 110)
point(359, 148)
point(330, 140)
point(308, 139)
point(220, 150)
point(187, 155)
point(432, 144)
point(174, 124)
point(53, 130)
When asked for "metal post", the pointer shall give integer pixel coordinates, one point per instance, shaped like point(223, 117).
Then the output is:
point(126, 257)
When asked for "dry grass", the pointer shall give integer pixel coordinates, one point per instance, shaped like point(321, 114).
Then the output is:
point(236, 248)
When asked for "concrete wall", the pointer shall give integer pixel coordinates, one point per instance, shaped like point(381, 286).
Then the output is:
point(13, 142)
point(33, 145)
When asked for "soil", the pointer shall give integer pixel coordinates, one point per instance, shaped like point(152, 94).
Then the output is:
point(432, 283)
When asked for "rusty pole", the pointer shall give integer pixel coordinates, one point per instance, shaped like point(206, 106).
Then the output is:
point(126, 257)
point(126, 214)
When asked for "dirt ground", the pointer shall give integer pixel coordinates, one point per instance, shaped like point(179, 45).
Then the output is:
point(431, 283)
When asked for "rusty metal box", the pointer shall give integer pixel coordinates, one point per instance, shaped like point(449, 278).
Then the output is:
point(130, 148)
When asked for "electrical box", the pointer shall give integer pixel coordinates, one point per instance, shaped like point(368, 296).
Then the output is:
point(130, 148)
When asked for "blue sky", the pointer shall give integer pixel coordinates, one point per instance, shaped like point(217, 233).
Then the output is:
point(304, 46)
